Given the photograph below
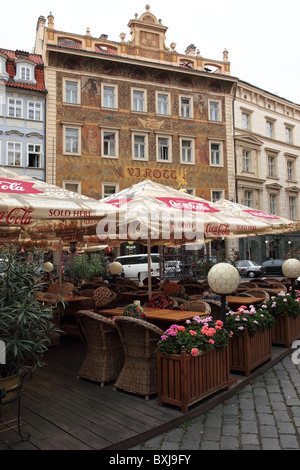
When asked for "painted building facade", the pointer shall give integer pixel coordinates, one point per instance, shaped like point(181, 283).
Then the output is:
point(22, 113)
point(121, 112)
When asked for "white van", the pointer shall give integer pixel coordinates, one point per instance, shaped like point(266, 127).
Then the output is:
point(136, 266)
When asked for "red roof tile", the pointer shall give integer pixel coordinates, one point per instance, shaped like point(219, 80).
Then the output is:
point(11, 69)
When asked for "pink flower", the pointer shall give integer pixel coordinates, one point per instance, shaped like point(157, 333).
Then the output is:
point(194, 352)
point(192, 332)
point(211, 341)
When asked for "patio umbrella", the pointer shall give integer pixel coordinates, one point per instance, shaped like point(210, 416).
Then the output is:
point(154, 214)
point(33, 212)
point(262, 223)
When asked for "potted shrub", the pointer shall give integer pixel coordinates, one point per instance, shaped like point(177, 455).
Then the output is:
point(286, 311)
point(26, 325)
point(193, 362)
point(250, 344)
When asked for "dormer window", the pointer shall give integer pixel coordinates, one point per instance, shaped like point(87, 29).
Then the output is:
point(3, 74)
point(25, 72)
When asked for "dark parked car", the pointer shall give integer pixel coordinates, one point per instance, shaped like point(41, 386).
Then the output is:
point(273, 266)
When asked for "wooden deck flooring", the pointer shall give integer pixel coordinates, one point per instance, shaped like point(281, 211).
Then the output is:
point(62, 412)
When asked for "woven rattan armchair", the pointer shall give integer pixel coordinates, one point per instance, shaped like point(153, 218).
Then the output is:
point(105, 353)
point(139, 373)
point(247, 285)
point(196, 306)
point(258, 293)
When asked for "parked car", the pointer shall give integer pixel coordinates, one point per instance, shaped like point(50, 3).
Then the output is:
point(136, 266)
point(273, 266)
point(248, 268)
point(172, 267)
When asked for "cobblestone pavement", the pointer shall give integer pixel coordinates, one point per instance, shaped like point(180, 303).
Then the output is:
point(264, 415)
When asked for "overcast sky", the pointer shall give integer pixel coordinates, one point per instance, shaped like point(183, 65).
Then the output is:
point(261, 36)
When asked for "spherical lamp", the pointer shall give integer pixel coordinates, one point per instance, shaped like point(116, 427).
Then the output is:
point(48, 267)
point(291, 270)
point(223, 278)
point(115, 268)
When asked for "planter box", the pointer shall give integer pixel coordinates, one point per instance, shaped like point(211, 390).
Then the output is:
point(248, 352)
point(184, 380)
point(286, 330)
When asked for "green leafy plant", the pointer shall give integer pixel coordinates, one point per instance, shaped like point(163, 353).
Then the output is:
point(86, 267)
point(26, 325)
point(196, 336)
point(249, 319)
point(284, 304)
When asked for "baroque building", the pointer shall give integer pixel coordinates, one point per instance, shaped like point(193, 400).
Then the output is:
point(121, 112)
point(22, 112)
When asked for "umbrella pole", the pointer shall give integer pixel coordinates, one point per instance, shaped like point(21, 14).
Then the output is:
point(59, 266)
point(149, 267)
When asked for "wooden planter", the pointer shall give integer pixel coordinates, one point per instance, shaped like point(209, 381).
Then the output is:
point(248, 352)
point(286, 330)
point(184, 380)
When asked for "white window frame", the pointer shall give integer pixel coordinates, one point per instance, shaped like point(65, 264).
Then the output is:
point(15, 104)
point(14, 150)
point(40, 153)
point(183, 107)
point(104, 96)
point(103, 185)
point(273, 203)
point(213, 194)
point(270, 128)
point(215, 114)
point(292, 208)
point(247, 160)
point(25, 72)
point(272, 166)
point(248, 198)
point(159, 146)
point(36, 107)
point(135, 101)
point(159, 110)
point(67, 126)
point(145, 136)
point(72, 183)
point(66, 98)
point(184, 149)
point(288, 134)
point(290, 169)
point(212, 153)
point(246, 121)
point(116, 143)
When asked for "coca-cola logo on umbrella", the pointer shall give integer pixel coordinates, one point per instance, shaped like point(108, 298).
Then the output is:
point(187, 204)
point(17, 187)
point(264, 215)
point(118, 202)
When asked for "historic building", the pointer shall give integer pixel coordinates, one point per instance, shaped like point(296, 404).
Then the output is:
point(22, 113)
point(267, 149)
point(121, 112)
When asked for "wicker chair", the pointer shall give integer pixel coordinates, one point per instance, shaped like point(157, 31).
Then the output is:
point(196, 306)
point(247, 285)
point(139, 373)
point(215, 309)
point(277, 285)
point(105, 353)
point(193, 289)
point(259, 293)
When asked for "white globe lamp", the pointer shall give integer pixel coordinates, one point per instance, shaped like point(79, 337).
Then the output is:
point(291, 270)
point(223, 278)
point(115, 268)
point(48, 267)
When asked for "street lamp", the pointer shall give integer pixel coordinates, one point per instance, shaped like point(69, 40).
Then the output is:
point(291, 270)
point(223, 278)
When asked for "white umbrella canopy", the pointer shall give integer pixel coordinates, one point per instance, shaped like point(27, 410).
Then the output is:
point(149, 212)
point(38, 210)
point(259, 222)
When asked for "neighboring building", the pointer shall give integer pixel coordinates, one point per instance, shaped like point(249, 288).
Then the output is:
point(267, 148)
point(22, 113)
point(121, 112)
